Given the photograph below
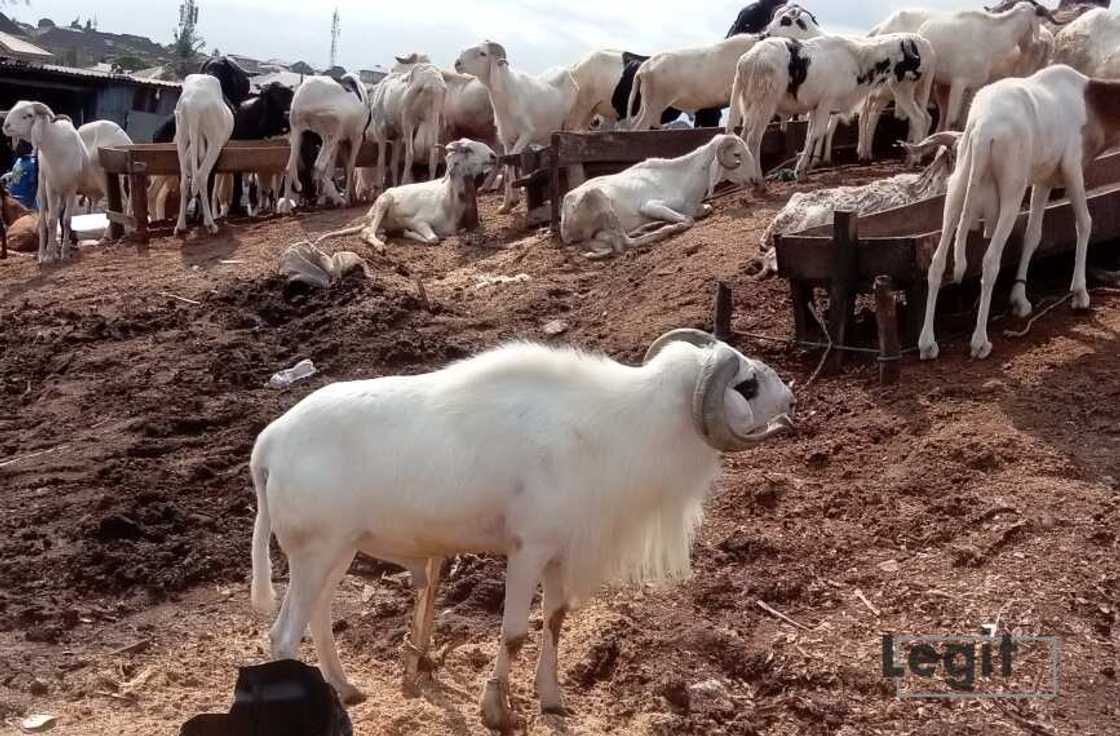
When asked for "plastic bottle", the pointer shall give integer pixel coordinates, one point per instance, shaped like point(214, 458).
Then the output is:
point(301, 370)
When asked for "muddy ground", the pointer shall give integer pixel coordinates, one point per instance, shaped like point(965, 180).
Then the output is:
point(970, 493)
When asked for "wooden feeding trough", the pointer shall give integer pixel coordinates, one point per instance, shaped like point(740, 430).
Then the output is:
point(548, 173)
point(891, 251)
point(141, 160)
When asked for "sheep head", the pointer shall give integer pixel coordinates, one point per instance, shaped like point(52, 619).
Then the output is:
point(737, 402)
point(469, 158)
point(478, 60)
point(733, 162)
point(25, 120)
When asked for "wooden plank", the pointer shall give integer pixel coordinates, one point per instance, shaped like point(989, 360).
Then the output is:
point(139, 185)
point(119, 218)
point(555, 193)
point(886, 317)
point(469, 220)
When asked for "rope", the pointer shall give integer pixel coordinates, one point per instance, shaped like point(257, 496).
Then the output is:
point(827, 350)
point(1032, 320)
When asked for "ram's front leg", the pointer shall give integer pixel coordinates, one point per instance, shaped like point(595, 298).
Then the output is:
point(656, 209)
point(818, 126)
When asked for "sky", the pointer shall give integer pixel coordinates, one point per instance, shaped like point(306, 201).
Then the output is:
point(537, 34)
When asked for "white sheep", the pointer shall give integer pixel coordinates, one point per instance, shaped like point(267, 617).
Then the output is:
point(970, 44)
point(701, 77)
point(527, 109)
point(617, 211)
point(428, 211)
point(826, 75)
point(1091, 44)
point(578, 469)
point(806, 210)
point(69, 165)
point(1036, 132)
point(339, 112)
point(203, 124)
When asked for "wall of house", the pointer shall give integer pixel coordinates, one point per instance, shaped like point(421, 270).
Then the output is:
point(139, 110)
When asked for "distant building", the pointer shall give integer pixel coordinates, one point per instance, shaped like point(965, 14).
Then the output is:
point(302, 67)
point(20, 49)
point(373, 76)
point(137, 105)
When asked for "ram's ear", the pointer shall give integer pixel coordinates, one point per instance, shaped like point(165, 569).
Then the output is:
point(41, 110)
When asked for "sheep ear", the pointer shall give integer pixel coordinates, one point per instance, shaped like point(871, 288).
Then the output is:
point(41, 110)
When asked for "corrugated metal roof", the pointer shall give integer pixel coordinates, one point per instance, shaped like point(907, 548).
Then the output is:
point(72, 73)
point(19, 46)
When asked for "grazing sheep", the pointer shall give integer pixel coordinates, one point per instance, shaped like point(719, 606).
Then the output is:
point(578, 469)
point(203, 124)
point(1037, 132)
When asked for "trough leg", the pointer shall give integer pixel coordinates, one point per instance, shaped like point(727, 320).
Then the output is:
point(420, 632)
point(469, 220)
point(555, 193)
point(116, 204)
point(886, 315)
point(841, 296)
point(801, 293)
point(139, 186)
point(916, 295)
point(721, 312)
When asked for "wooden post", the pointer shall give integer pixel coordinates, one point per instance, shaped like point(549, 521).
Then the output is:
point(469, 220)
point(116, 204)
point(416, 659)
point(139, 186)
point(886, 315)
point(721, 312)
point(801, 294)
point(841, 295)
point(554, 183)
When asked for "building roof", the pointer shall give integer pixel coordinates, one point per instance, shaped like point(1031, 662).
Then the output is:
point(49, 71)
point(19, 48)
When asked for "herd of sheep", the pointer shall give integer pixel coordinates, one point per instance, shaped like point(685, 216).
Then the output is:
point(495, 454)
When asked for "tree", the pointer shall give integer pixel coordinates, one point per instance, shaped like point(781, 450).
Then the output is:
point(187, 43)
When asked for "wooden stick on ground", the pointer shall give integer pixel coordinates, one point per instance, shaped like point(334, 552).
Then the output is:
point(169, 295)
point(40, 453)
point(862, 597)
point(774, 612)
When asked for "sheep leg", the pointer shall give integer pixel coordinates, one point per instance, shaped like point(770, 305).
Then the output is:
point(422, 232)
point(311, 567)
point(818, 124)
point(291, 173)
point(918, 117)
point(409, 153)
point(47, 223)
point(420, 630)
point(954, 203)
point(207, 165)
point(554, 607)
point(355, 147)
point(523, 572)
point(1075, 190)
point(1040, 195)
point(185, 156)
point(395, 165)
point(1011, 194)
point(953, 111)
point(323, 635)
point(70, 204)
point(658, 210)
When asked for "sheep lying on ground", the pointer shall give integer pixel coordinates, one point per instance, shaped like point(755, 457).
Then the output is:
point(617, 211)
point(812, 209)
point(428, 211)
point(580, 470)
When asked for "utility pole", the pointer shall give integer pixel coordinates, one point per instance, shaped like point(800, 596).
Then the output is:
point(336, 30)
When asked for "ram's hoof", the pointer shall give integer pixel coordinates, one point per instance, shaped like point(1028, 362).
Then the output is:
point(497, 715)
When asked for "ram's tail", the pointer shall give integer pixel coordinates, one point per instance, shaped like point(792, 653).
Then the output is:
point(261, 591)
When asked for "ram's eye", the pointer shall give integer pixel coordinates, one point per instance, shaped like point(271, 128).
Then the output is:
point(748, 389)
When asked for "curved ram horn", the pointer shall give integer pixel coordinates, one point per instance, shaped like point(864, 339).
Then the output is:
point(709, 405)
point(693, 337)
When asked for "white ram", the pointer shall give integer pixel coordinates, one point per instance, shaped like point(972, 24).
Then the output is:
point(428, 211)
point(1091, 44)
point(1037, 132)
point(527, 109)
point(578, 469)
point(618, 211)
point(69, 165)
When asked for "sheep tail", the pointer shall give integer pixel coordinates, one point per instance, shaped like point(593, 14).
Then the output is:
point(262, 593)
point(352, 230)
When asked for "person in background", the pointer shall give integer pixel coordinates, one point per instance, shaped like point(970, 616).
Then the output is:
point(23, 179)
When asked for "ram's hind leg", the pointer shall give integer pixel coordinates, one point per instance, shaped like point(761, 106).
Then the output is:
point(323, 635)
point(426, 582)
point(311, 566)
point(658, 210)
